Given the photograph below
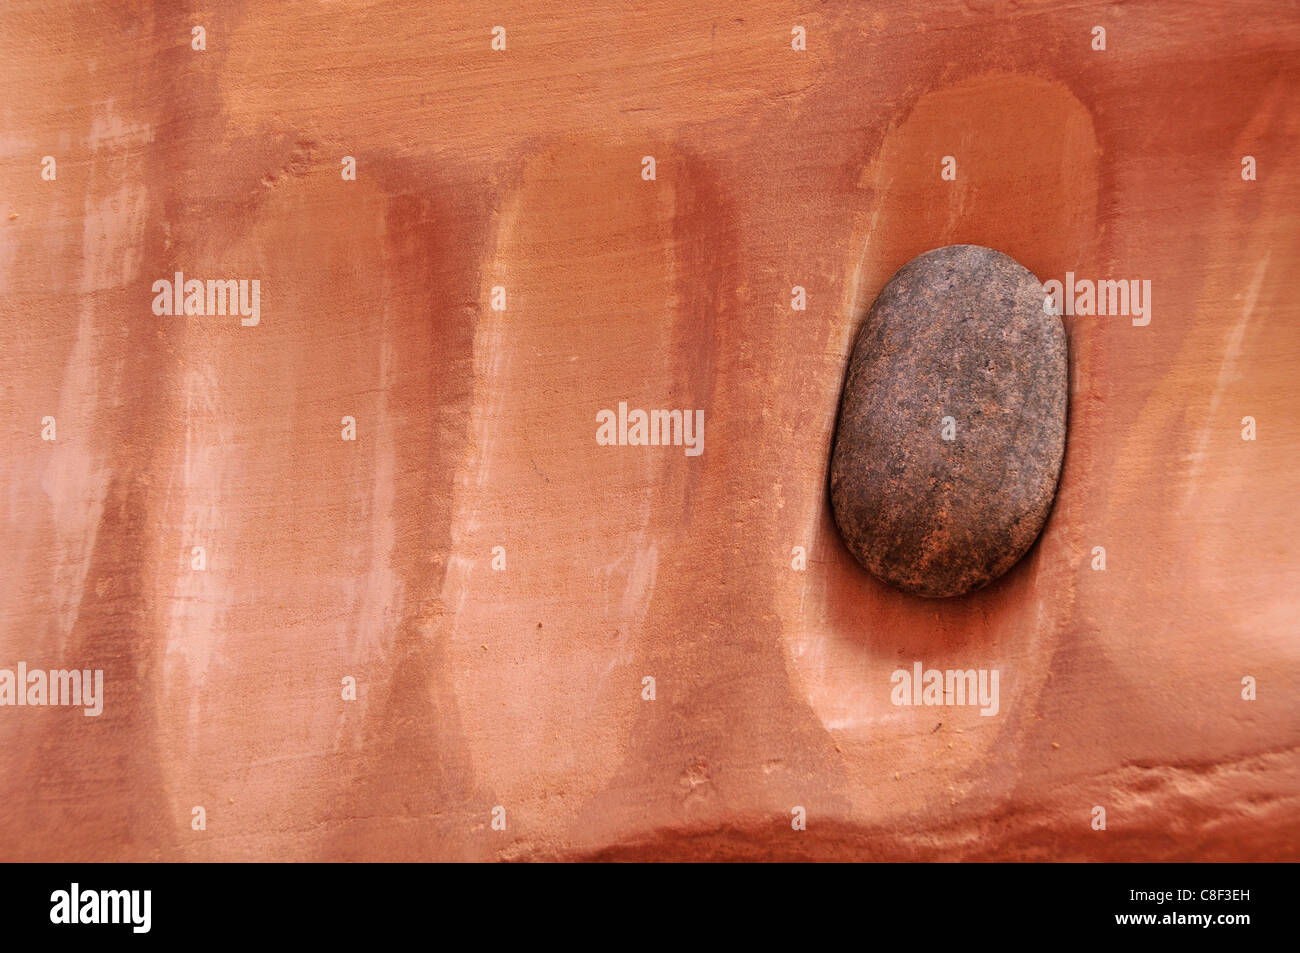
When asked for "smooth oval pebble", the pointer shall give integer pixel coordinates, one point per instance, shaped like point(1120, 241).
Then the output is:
point(959, 332)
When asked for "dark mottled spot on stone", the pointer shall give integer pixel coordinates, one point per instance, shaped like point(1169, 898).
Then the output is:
point(957, 345)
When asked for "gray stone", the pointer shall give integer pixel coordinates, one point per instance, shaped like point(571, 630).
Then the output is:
point(959, 332)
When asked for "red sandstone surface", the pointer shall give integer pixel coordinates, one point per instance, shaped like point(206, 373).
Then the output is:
point(522, 688)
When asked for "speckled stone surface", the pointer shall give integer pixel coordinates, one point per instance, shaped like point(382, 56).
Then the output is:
point(957, 345)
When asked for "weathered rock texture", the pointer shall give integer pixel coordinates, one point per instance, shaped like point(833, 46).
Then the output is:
point(952, 423)
point(476, 429)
